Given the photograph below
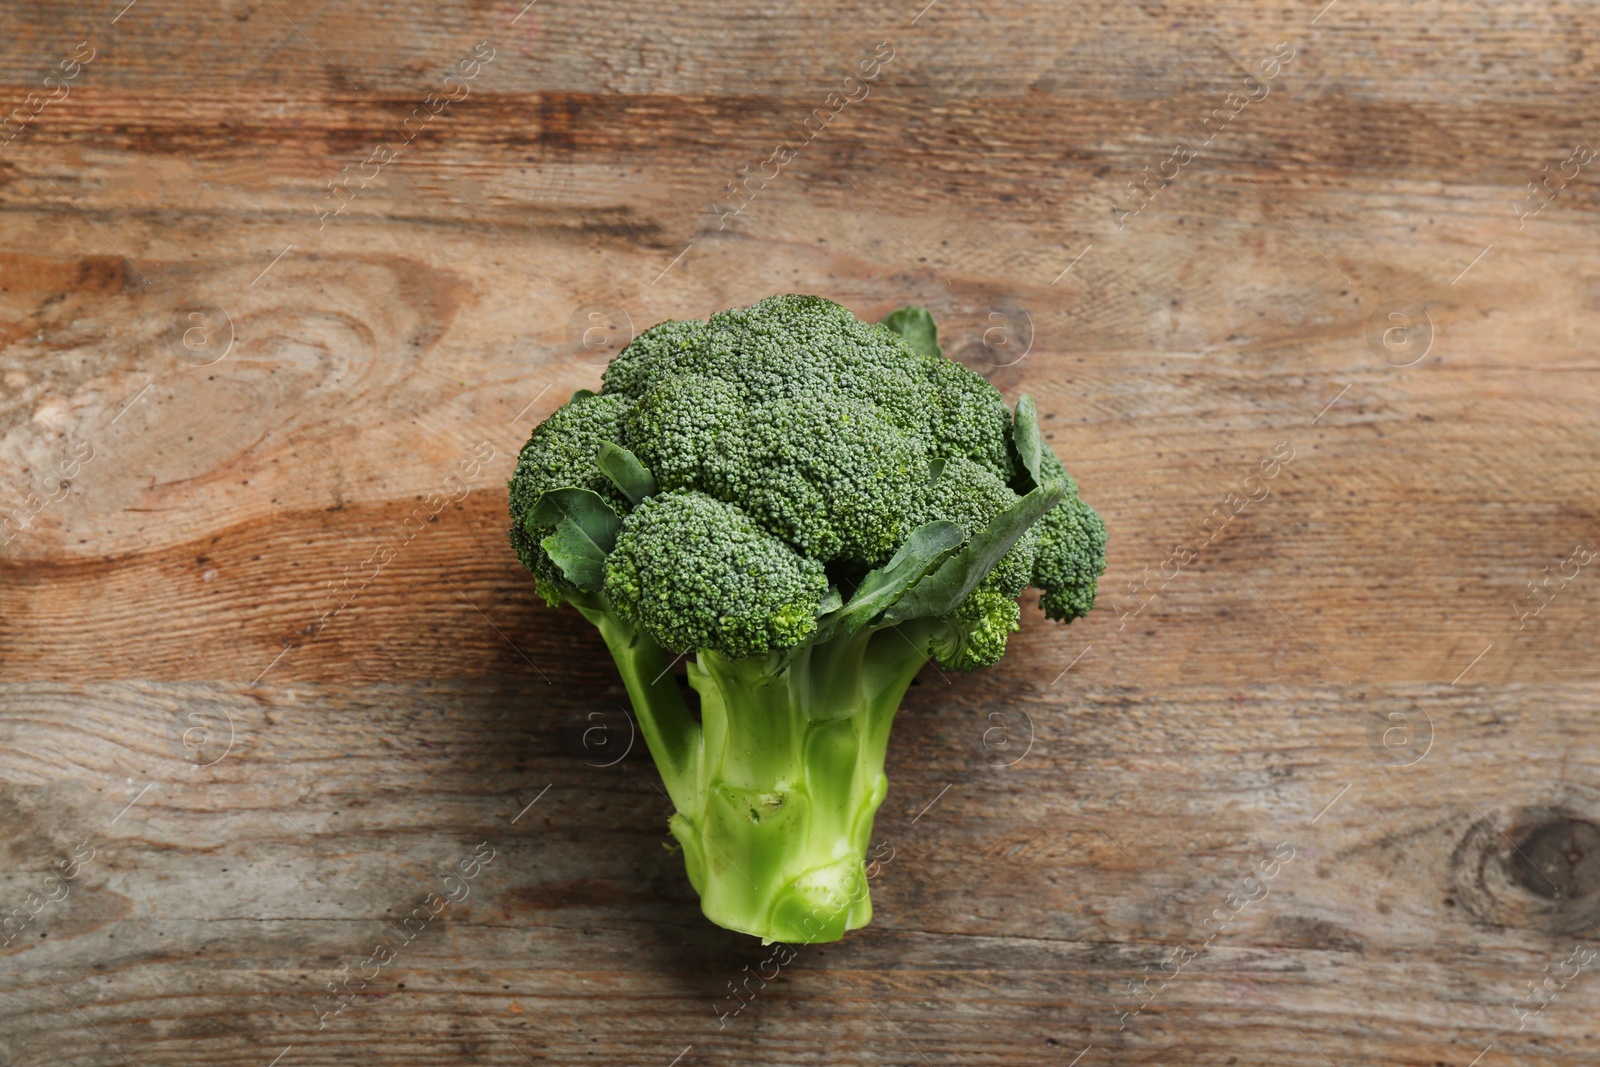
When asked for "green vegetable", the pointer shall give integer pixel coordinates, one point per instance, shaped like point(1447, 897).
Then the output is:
point(813, 506)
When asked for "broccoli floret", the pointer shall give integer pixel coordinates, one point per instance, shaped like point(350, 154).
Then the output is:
point(970, 418)
point(983, 621)
point(697, 573)
point(813, 507)
point(686, 429)
point(830, 475)
point(1072, 551)
point(971, 495)
point(650, 357)
point(561, 452)
point(795, 347)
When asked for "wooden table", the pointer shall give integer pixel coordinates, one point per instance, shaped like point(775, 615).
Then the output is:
point(285, 285)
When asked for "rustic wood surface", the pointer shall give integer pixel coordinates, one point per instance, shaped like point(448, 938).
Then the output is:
point(219, 402)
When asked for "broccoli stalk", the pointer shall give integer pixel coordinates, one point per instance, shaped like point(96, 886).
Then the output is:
point(814, 508)
point(790, 780)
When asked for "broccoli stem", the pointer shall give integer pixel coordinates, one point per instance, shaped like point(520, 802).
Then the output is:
point(791, 776)
point(777, 786)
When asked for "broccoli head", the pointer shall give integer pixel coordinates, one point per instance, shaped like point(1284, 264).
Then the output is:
point(699, 573)
point(814, 506)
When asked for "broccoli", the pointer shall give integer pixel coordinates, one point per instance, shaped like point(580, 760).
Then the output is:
point(814, 506)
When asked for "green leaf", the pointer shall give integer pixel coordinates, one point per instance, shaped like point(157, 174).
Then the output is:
point(916, 325)
point(1025, 435)
point(625, 472)
point(582, 507)
point(942, 590)
point(581, 394)
point(935, 469)
point(924, 549)
point(585, 533)
point(579, 558)
point(831, 602)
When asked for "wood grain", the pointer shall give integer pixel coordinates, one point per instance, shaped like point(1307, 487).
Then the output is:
point(252, 399)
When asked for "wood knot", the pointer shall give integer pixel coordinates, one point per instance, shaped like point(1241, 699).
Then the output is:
point(1538, 869)
point(1559, 859)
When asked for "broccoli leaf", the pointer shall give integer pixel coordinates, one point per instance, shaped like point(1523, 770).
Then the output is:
point(626, 472)
point(582, 507)
point(916, 325)
point(831, 601)
point(579, 558)
point(925, 548)
point(935, 469)
point(1025, 434)
point(941, 591)
point(580, 394)
point(585, 532)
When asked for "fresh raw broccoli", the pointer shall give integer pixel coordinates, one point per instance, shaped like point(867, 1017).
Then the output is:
point(814, 506)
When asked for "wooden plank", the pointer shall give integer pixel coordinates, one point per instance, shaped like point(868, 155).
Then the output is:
point(253, 400)
point(1011, 913)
